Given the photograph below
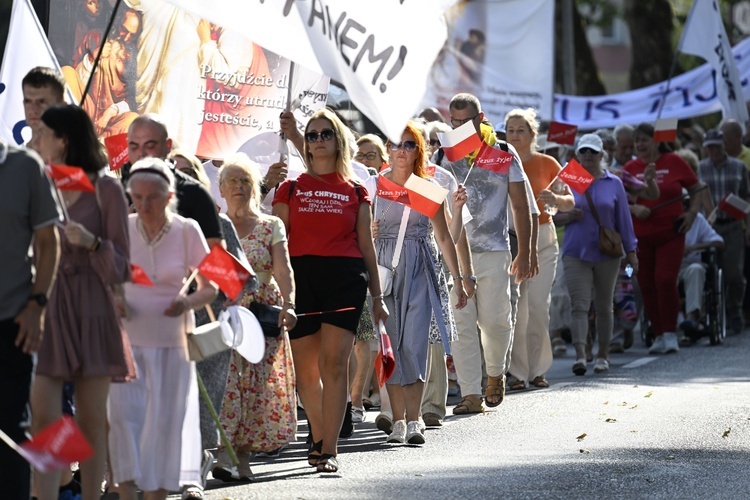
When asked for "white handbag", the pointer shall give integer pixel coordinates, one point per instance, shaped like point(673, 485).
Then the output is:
point(386, 273)
point(209, 339)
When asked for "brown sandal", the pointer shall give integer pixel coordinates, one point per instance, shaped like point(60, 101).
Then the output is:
point(495, 389)
point(515, 384)
point(469, 404)
point(540, 381)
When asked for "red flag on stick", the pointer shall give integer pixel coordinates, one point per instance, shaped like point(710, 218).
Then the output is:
point(575, 176)
point(665, 130)
point(55, 447)
point(389, 190)
point(385, 362)
point(225, 270)
point(493, 159)
point(139, 276)
point(117, 150)
point(562, 133)
point(734, 206)
point(70, 178)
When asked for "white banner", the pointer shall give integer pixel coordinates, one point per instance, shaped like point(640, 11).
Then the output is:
point(381, 52)
point(690, 94)
point(26, 48)
point(502, 52)
point(704, 35)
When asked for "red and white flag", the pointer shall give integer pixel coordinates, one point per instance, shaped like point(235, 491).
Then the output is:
point(117, 150)
point(460, 142)
point(385, 362)
point(389, 190)
point(225, 270)
point(575, 176)
point(70, 178)
point(493, 159)
point(139, 276)
point(562, 133)
point(55, 447)
point(424, 196)
point(665, 130)
point(735, 206)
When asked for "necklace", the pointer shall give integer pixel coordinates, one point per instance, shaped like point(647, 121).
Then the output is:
point(156, 239)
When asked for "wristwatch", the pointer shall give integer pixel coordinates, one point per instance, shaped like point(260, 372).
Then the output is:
point(471, 277)
point(263, 189)
point(39, 298)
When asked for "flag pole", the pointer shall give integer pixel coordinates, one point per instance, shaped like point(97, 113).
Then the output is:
point(99, 52)
point(187, 283)
point(673, 67)
point(283, 147)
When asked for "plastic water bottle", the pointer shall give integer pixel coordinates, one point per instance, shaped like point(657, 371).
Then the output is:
point(629, 270)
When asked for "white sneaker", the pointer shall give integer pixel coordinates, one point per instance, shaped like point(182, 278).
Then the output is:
point(414, 433)
point(398, 434)
point(658, 346)
point(671, 344)
point(358, 414)
point(601, 365)
point(422, 425)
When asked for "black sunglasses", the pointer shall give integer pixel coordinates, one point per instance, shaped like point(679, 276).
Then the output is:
point(434, 142)
point(588, 151)
point(325, 134)
point(457, 122)
point(406, 146)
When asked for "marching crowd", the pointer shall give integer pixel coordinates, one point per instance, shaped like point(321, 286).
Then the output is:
point(491, 283)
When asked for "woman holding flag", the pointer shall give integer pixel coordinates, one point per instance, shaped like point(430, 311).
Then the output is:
point(327, 217)
point(531, 354)
point(404, 227)
point(83, 341)
point(146, 415)
point(661, 225)
point(589, 272)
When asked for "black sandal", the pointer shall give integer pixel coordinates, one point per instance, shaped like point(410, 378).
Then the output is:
point(313, 453)
point(328, 463)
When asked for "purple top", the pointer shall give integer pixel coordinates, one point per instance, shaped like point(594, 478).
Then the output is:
point(582, 236)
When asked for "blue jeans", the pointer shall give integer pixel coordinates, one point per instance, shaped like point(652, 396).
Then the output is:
point(15, 386)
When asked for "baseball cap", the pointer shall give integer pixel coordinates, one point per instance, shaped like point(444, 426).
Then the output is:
point(713, 138)
point(592, 141)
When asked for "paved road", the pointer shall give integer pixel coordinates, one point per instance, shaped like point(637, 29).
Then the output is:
point(675, 426)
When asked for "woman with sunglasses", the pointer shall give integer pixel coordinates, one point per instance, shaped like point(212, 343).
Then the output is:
point(531, 354)
point(589, 273)
point(327, 217)
point(415, 294)
point(661, 225)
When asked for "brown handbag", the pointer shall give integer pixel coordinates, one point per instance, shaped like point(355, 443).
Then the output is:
point(610, 241)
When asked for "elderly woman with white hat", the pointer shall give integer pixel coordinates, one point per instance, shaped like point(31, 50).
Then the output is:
point(590, 272)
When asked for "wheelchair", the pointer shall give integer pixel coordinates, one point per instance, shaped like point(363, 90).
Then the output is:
point(713, 324)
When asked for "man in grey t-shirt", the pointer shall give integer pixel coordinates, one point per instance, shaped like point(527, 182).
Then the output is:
point(488, 263)
point(28, 212)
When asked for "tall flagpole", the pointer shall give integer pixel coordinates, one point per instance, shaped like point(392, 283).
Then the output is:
point(99, 52)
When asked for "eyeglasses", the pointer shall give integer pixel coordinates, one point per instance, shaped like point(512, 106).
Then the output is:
point(587, 151)
point(457, 122)
point(372, 155)
point(406, 146)
point(236, 181)
point(434, 142)
point(325, 134)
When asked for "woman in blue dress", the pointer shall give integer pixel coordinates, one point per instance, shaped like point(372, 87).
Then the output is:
point(415, 295)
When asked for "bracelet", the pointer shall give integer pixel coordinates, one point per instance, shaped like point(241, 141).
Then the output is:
point(457, 278)
point(471, 277)
point(378, 297)
point(264, 189)
point(95, 246)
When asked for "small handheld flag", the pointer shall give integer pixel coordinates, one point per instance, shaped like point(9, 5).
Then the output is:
point(575, 176)
point(460, 142)
point(225, 270)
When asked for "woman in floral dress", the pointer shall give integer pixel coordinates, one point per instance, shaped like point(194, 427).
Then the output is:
point(259, 408)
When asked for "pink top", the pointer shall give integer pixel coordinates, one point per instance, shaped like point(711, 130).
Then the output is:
point(167, 263)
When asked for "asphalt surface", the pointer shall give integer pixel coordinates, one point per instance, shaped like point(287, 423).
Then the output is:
point(674, 426)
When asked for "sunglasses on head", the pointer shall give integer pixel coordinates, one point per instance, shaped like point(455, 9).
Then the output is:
point(406, 146)
point(434, 142)
point(587, 151)
point(325, 134)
